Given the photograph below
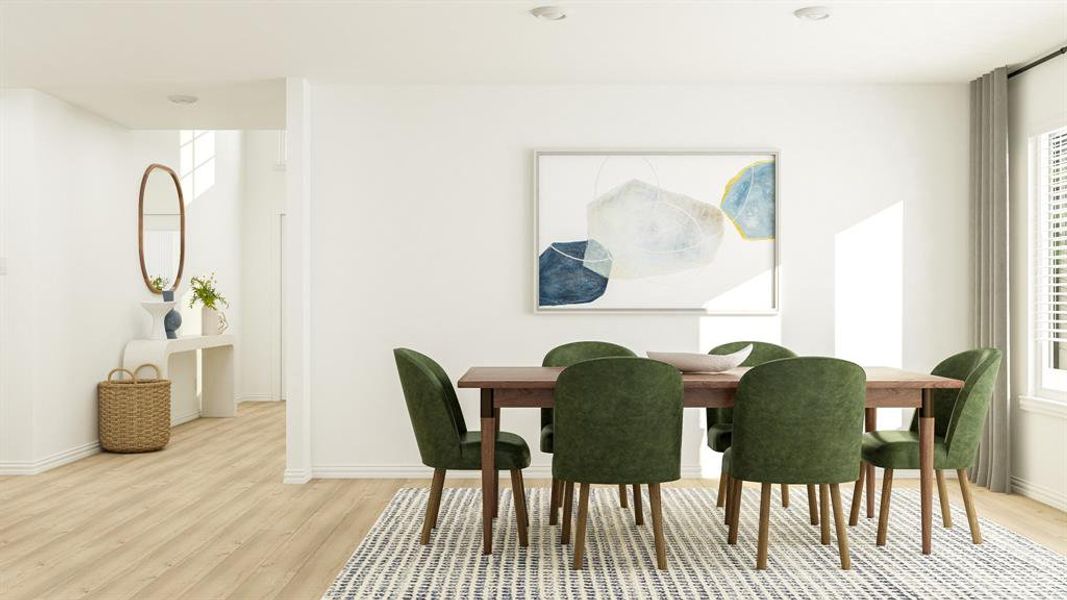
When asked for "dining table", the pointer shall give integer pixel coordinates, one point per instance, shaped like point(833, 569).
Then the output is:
point(533, 387)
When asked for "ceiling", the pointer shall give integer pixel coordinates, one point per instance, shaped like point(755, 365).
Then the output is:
point(121, 59)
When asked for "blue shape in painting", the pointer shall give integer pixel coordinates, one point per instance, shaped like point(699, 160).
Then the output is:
point(749, 201)
point(572, 273)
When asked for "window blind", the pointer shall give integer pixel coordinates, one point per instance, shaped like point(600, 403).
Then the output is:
point(1051, 263)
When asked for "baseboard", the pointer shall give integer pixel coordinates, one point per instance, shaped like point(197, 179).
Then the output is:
point(189, 416)
point(50, 462)
point(1040, 493)
point(296, 476)
point(424, 472)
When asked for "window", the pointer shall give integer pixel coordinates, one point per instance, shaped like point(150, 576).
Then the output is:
point(197, 161)
point(1051, 264)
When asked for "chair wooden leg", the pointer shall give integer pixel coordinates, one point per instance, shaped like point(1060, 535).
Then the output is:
point(568, 499)
point(639, 511)
point(720, 499)
point(624, 501)
point(870, 490)
point(839, 523)
point(432, 505)
point(942, 494)
point(785, 495)
point(968, 503)
point(735, 510)
point(883, 512)
point(553, 503)
point(813, 509)
point(764, 526)
point(579, 534)
point(496, 487)
point(857, 497)
point(519, 495)
point(656, 504)
point(824, 514)
point(729, 499)
point(440, 485)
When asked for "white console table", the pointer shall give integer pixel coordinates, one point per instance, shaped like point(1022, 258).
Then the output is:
point(176, 360)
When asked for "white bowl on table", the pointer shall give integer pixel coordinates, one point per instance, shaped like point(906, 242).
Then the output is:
point(694, 362)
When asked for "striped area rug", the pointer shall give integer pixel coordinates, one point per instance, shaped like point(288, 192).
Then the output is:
point(390, 563)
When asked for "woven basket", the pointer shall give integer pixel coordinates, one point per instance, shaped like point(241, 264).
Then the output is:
point(134, 414)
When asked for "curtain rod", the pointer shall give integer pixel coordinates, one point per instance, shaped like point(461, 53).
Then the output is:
point(1039, 61)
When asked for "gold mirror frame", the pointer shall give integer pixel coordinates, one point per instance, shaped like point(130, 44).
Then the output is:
point(140, 226)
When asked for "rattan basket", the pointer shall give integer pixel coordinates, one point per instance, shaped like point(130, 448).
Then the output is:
point(133, 414)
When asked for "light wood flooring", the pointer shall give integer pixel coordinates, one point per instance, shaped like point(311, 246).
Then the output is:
point(209, 518)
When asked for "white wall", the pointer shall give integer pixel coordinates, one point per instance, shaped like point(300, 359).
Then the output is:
point(68, 304)
point(421, 234)
point(1037, 103)
point(262, 202)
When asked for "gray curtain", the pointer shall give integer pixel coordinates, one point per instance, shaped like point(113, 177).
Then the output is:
point(989, 230)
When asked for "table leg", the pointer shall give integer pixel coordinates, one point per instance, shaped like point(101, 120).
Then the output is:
point(488, 469)
point(217, 397)
point(926, 465)
point(496, 472)
point(870, 423)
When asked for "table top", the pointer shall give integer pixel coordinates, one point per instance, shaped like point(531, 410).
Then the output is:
point(545, 378)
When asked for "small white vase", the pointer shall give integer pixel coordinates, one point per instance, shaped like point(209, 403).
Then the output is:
point(158, 310)
point(212, 322)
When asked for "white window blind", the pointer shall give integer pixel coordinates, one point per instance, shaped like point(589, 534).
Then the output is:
point(1051, 263)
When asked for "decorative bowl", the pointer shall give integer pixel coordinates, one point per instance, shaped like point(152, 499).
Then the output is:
point(694, 362)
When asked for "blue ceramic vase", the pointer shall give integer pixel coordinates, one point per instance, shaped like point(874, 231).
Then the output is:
point(173, 320)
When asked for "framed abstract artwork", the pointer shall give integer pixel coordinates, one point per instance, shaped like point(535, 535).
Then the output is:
point(689, 231)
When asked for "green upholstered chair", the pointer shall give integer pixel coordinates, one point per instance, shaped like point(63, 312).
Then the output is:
point(720, 420)
point(565, 356)
point(959, 419)
point(797, 420)
point(443, 440)
point(618, 422)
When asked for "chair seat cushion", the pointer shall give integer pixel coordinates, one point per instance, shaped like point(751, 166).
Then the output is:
point(900, 450)
point(511, 452)
point(547, 435)
point(720, 436)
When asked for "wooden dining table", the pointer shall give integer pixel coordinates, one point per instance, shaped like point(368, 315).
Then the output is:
point(532, 387)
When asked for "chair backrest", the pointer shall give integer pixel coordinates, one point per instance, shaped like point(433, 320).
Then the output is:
point(799, 420)
point(433, 407)
point(959, 415)
point(618, 420)
point(761, 352)
point(575, 352)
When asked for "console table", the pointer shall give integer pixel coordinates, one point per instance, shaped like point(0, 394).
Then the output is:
point(176, 360)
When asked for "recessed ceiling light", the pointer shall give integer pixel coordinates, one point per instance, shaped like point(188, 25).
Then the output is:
point(182, 99)
point(549, 13)
point(812, 13)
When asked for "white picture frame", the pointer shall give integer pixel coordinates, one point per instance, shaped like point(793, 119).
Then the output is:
point(567, 183)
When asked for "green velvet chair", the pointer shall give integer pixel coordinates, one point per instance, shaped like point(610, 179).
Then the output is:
point(565, 356)
point(959, 419)
point(444, 442)
point(618, 421)
point(800, 421)
point(720, 420)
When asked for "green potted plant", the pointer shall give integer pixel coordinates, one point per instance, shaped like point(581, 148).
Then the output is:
point(205, 291)
point(159, 283)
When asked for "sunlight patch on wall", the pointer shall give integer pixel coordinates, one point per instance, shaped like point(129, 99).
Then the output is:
point(197, 162)
point(869, 294)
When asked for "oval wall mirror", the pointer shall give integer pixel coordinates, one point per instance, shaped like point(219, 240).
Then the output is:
point(161, 228)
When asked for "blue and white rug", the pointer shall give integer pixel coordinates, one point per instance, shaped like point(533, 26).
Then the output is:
point(390, 563)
